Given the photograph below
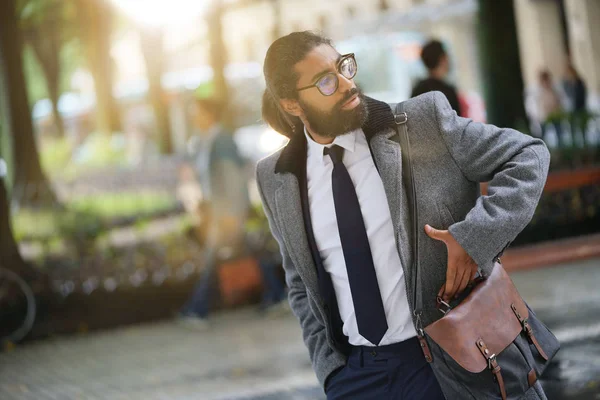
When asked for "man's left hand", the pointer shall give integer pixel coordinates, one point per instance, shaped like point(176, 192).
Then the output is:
point(461, 267)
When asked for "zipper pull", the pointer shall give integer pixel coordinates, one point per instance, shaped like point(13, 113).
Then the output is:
point(421, 336)
point(419, 324)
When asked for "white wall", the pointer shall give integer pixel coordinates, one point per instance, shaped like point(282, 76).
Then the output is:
point(541, 43)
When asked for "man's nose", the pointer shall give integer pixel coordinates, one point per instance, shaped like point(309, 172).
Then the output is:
point(345, 84)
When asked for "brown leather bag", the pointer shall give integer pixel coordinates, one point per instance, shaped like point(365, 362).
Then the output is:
point(485, 323)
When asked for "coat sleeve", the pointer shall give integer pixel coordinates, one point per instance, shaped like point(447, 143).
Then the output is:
point(515, 166)
point(324, 359)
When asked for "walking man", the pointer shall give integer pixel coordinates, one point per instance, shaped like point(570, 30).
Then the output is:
point(225, 201)
point(337, 206)
point(437, 62)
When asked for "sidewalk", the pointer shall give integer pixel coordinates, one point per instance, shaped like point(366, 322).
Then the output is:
point(248, 356)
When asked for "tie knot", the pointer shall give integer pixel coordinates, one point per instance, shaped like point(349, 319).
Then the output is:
point(335, 152)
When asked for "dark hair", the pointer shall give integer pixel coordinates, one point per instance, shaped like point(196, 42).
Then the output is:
point(281, 78)
point(211, 105)
point(432, 53)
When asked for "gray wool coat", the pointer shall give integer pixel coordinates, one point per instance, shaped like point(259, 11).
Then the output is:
point(450, 157)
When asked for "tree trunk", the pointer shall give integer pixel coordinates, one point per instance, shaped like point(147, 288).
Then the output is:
point(10, 257)
point(276, 19)
point(96, 24)
point(29, 184)
point(46, 44)
point(501, 64)
point(152, 47)
point(218, 58)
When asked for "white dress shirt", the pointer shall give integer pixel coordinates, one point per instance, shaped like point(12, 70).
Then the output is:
point(378, 223)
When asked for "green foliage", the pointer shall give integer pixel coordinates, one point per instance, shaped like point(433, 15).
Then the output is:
point(60, 160)
point(88, 217)
point(55, 155)
point(116, 205)
point(34, 76)
point(45, 19)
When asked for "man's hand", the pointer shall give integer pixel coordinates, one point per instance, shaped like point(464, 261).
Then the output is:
point(461, 267)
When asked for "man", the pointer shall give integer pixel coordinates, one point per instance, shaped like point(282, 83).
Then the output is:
point(225, 199)
point(336, 204)
point(549, 107)
point(436, 61)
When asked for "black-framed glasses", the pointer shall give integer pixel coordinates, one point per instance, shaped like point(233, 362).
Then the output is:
point(328, 83)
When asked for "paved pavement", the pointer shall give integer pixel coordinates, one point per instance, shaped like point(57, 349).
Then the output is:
point(248, 356)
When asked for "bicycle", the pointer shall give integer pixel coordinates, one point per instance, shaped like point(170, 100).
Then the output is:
point(17, 307)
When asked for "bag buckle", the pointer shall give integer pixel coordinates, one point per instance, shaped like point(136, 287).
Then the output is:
point(401, 118)
point(441, 303)
point(492, 362)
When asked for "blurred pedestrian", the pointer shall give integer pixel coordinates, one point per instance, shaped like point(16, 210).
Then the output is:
point(189, 194)
point(576, 95)
point(437, 62)
point(548, 106)
point(225, 205)
point(575, 89)
point(335, 201)
point(265, 249)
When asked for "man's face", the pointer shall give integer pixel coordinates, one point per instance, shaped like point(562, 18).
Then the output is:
point(328, 116)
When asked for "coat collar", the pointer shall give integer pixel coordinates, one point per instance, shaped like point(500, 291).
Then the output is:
point(293, 156)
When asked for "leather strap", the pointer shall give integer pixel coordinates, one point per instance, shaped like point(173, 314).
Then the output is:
point(529, 332)
point(531, 377)
point(425, 348)
point(492, 365)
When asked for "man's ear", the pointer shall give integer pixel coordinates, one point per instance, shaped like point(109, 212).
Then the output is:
point(291, 107)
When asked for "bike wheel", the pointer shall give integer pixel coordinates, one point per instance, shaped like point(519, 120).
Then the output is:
point(17, 307)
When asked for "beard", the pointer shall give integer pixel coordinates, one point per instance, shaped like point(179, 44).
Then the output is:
point(336, 122)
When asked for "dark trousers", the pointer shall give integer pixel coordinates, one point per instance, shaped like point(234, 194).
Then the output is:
point(394, 372)
point(274, 290)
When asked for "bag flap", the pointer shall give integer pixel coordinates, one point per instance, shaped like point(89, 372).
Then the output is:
point(484, 314)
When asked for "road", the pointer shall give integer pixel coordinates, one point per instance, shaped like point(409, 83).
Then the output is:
point(245, 355)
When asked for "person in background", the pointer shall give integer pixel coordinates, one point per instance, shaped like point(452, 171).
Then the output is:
point(576, 98)
point(575, 89)
point(220, 168)
point(548, 106)
point(436, 60)
point(189, 194)
point(266, 250)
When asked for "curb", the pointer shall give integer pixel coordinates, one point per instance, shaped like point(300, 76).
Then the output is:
point(551, 253)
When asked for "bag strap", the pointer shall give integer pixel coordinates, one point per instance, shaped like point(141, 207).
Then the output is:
point(401, 119)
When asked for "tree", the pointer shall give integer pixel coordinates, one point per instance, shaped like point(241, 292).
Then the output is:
point(44, 24)
point(10, 257)
point(151, 40)
point(95, 19)
point(218, 56)
point(29, 184)
point(501, 63)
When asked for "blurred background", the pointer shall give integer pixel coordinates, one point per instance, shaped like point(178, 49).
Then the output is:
point(100, 226)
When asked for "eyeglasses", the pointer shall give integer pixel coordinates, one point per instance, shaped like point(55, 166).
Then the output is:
point(329, 82)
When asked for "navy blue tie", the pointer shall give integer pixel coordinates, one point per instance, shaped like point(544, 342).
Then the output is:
point(366, 297)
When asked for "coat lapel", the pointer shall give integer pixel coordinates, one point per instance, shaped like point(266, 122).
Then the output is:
point(290, 218)
point(388, 158)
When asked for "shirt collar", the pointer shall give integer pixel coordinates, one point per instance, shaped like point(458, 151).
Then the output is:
point(315, 150)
